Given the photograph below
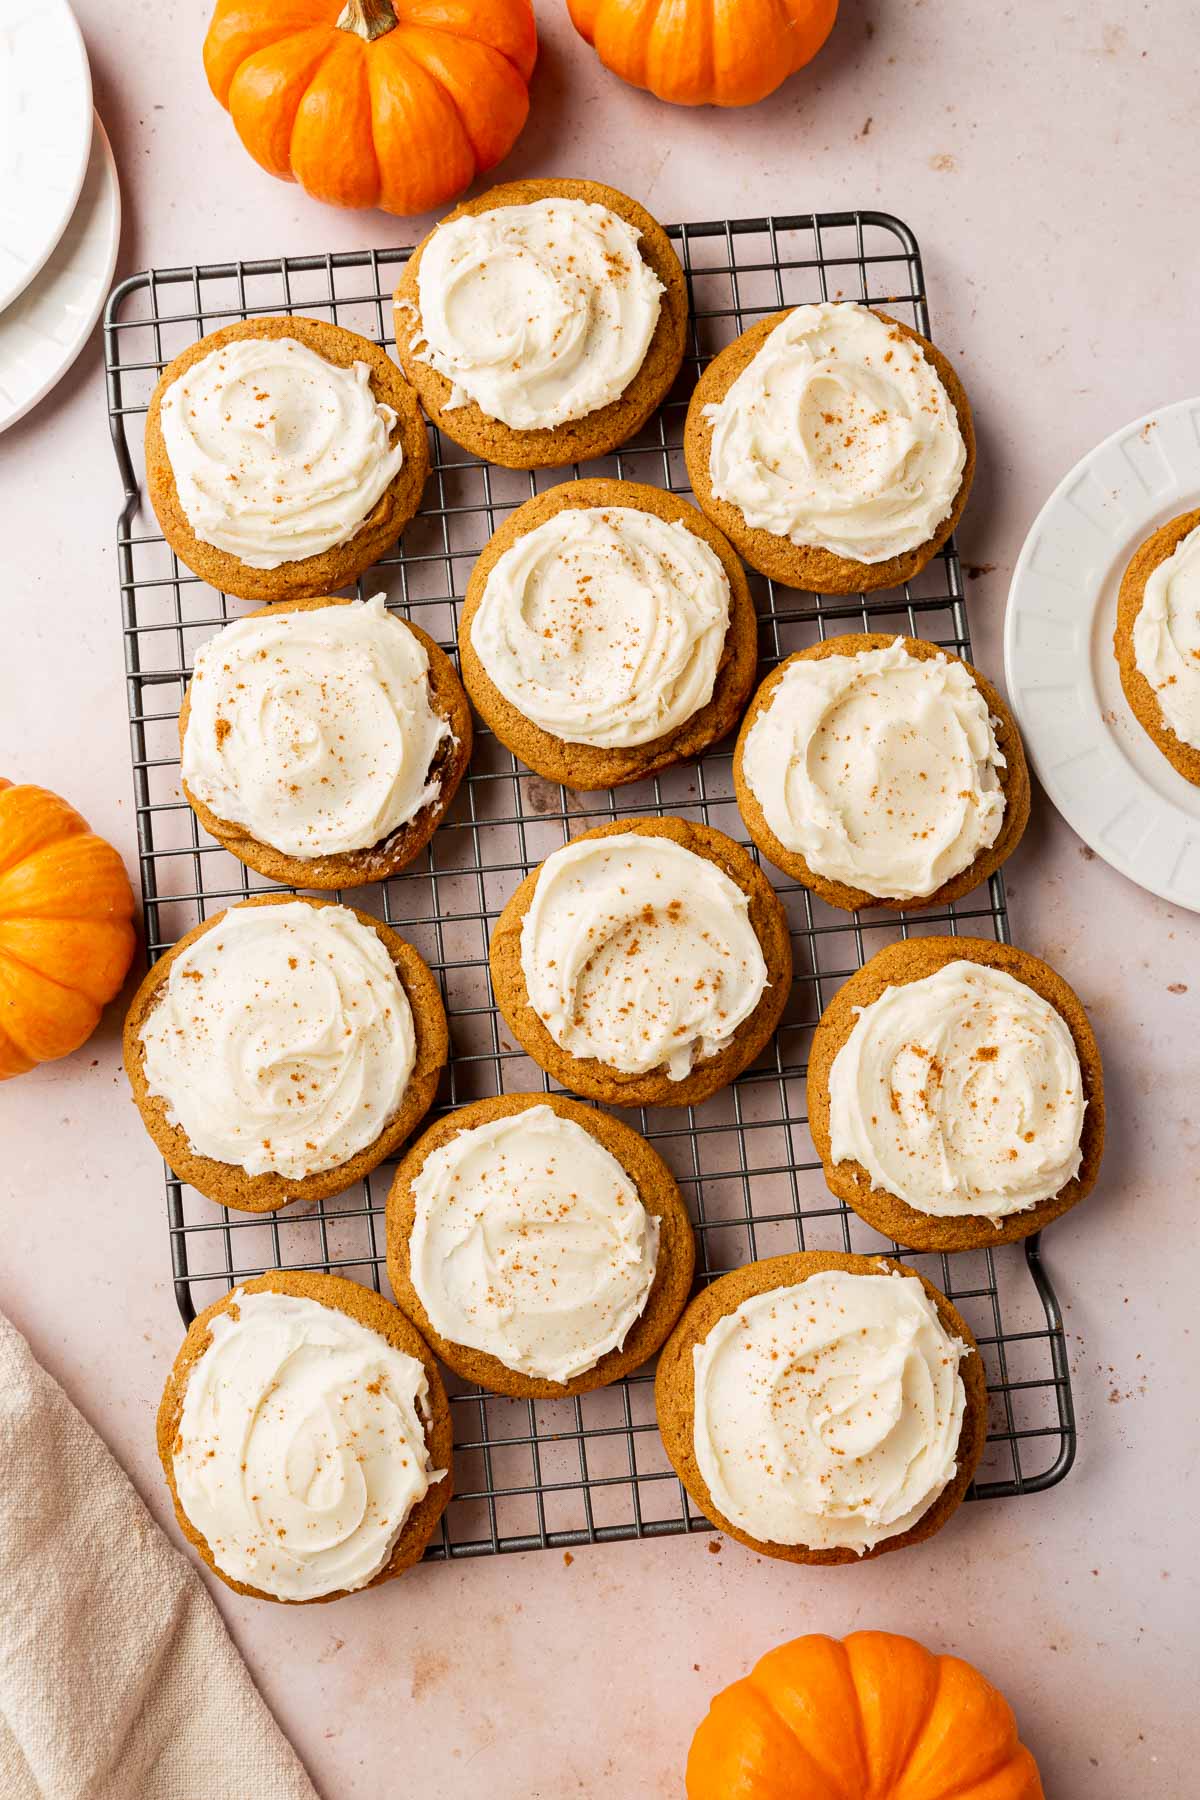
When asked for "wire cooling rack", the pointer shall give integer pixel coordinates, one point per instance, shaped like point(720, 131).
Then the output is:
point(564, 1472)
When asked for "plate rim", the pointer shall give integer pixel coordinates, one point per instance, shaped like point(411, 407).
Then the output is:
point(88, 322)
point(1053, 789)
point(67, 211)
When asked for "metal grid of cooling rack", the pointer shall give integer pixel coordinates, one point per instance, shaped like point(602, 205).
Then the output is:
point(565, 1472)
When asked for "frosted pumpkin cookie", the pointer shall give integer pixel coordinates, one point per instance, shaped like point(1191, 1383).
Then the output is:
point(283, 457)
point(541, 1247)
point(542, 322)
point(879, 769)
point(833, 446)
point(608, 631)
point(322, 741)
point(823, 1408)
point(305, 1436)
point(281, 1050)
point(955, 1094)
point(1157, 641)
point(646, 963)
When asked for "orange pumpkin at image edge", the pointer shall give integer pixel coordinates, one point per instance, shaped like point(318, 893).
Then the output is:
point(390, 103)
point(66, 936)
point(705, 52)
point(870, 1717)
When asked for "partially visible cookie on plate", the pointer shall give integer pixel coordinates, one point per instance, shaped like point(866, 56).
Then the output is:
point(541, 1247)
point(283, 457)
point(833, 446)
point(306, 1438)
point(607, 632)
point(823, 1408)
point(881, 770)
point(1157, 641)
point(322, 741)
point(646, 963)
point(956, 1094)
point(543, 322)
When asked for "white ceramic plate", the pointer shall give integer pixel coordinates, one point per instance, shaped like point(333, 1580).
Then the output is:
point(1101, 770)
point(43, 332)
point(45, 133)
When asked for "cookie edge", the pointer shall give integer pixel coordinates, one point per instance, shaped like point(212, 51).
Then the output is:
point(659, 1193)
point(886, 1213)
point(608, 1086)
point(268, 1192)
point(674, 1395)
point(377, 1314)
point(807, 567)
point(1014, 783)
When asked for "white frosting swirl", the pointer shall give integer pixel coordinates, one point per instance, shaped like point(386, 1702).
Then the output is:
point(277, 454)
point(605, 626)
point(530, 1243)
point(640, 953)
point(314, 730)
point(839, 435)
point(828, 1414)
point(539, 313)
point(1166, 638)
point(282, 1040)
point(302, 1447)
point(879, 769)
point(960, 1093)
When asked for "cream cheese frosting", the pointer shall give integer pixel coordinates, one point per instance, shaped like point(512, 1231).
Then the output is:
point(960, 1093)
point(302, 1447)
point(277, 454)
point(314, 730)
point(840, 435)
point(828, 1413)
point(640, 953)
point(605, 625)
point(530, 1243)
point(880, 769)
point(1166, 638)
point(282, 1040)
point(539, 313)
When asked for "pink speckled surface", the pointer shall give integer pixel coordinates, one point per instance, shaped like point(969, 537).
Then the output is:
point(1046, 157)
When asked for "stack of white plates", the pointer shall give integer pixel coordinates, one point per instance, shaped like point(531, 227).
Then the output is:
point(60, 206)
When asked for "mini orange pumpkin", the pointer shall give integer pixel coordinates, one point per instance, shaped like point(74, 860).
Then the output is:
point(873, 1717)
point(705, 52)
point(391, 103)
point(66, 937)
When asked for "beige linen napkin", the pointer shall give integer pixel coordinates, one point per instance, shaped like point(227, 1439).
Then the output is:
point(118, 1680)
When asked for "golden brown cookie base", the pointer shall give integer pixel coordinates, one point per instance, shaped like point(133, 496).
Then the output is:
point(805, 565)
point(354, 868)
point(675, 1394)
point(1014, 782)
point(659, 1194)
point(596, 1080)
point(369, 1309)
point(230, 1185)
point(335, 568)
point(913, 960)
point(589, 766)
point(599, 432)
point(1141, 696)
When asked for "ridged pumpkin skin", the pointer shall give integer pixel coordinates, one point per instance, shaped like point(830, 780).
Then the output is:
point(66, 937)
point(870, 1717)
point(705, 52)
point(400, 106)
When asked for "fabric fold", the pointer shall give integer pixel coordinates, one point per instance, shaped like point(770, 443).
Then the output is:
point(118, 1679)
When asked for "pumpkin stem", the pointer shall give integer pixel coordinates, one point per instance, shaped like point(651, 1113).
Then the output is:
point(368, 19)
